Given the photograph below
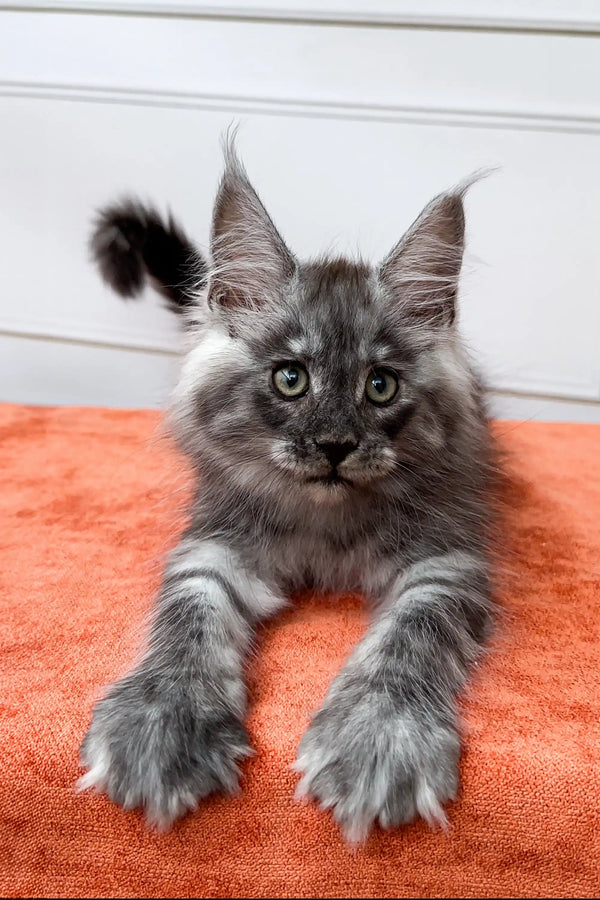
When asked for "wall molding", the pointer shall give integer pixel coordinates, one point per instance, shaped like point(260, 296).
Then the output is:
point(467, 117)
point(70, 336)
point(537, 384)
point(592, 402)
point(82, 333)
point(582, 16)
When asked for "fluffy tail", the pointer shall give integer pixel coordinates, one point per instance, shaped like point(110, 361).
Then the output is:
point(132, 244)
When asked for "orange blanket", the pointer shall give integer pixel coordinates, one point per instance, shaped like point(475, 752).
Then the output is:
point(91, 499)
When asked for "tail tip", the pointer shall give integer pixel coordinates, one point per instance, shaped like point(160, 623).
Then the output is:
point(116, 245)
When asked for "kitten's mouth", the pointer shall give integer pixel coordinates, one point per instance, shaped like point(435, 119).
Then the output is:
point(332, 478)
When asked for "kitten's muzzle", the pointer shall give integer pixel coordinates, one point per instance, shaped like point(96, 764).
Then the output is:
point(336, 451)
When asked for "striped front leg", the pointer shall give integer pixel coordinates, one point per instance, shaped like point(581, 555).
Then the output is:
point(171, 731)
point(385, 746)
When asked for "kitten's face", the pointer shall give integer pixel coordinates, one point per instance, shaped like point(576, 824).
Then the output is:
point(327, 378)
point(327, 394)
point(334, 386)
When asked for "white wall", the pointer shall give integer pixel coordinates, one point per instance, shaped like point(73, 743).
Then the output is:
point(353, 115)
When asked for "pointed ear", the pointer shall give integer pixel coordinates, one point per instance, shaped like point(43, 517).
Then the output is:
point(421, 273)
point(250, 259)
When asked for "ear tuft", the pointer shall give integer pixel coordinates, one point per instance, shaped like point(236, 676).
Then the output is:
point(250, 259)
point(421, 272)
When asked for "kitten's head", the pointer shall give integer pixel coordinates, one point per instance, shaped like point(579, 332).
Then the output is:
point(330, 378)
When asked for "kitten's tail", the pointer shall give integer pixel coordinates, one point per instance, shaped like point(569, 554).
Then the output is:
point(132, 244)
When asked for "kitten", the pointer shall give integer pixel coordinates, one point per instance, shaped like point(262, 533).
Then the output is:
point(341, 442)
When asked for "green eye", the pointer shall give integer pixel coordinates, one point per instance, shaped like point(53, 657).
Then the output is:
point(381, 386)
point(291, 380)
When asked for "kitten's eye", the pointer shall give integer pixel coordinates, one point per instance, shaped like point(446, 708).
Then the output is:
point(291, 380)
point(381, 386)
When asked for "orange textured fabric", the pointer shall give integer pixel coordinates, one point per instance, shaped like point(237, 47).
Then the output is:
point(91, 499)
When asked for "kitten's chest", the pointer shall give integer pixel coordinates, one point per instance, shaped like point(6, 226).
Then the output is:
point(310, 558)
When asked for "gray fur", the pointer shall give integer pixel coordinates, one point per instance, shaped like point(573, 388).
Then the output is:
point(404, 518)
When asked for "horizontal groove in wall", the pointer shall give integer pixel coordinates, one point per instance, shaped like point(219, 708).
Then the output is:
point(368, 15)
point(134, 345)
point(81, 332)
point(470, 118)
point(586, 401)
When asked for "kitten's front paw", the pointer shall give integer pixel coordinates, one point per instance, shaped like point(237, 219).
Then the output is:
point(159, 747)
point(369, 761)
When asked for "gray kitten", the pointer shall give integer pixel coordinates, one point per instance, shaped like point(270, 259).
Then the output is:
point(341, 442)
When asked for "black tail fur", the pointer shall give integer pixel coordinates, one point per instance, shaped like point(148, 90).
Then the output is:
point(131, 243)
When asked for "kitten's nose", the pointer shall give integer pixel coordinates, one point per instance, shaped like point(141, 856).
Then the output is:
point(337, 451)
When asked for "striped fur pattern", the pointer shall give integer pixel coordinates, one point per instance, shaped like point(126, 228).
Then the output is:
point(328, 491)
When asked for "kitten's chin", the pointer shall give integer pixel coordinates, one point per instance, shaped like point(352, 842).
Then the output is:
point(328, 491)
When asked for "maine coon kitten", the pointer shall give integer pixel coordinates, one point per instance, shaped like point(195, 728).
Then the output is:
point(340, 440)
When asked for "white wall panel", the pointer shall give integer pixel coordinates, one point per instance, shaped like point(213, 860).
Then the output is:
point(346, 131)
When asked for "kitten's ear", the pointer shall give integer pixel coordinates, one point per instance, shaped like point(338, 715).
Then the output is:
point(421, 273)
point(250, 259)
